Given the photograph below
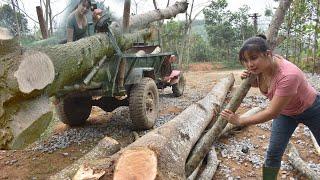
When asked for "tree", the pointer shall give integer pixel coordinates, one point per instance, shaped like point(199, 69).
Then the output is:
point(226, 30)
point(7, 19)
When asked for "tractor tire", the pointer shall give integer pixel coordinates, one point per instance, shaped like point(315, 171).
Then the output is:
point(74, 111)
point(144, 104)
point(178, 88)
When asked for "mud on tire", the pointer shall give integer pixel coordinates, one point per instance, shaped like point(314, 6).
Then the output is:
point(178, 88)
point(144, 104)
point(74, 111)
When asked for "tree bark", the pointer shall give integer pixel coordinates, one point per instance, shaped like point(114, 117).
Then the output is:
point(299, 164)
point(142, 20)
point(194, 174)
point(315, 143)
point(229, 127)
point(43, 29)
point(205, 142)
point(212, 160)
point(210, 167)
point(106, 147)
point(173, 141)
point(276, 22)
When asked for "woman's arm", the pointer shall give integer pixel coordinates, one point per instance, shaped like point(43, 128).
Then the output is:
point(273, 110)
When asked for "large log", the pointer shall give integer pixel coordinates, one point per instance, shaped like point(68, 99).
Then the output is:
point(315, 143)
point(139, 21)
point(230, 127)
point(173, 141)
point(142, 20)
point(212, 161)
point(205, 142)
point(210, 167)
point(106, 147)
point(299, 164)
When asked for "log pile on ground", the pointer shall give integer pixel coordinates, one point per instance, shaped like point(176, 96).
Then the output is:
point(172, 142)
point(172, 151)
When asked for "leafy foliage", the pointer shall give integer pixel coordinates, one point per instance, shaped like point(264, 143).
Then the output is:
point(227, 30)
point(218, 40)
point(7, 19)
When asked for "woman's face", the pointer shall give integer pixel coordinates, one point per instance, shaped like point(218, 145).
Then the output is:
point(83, 8)
point(257, 62)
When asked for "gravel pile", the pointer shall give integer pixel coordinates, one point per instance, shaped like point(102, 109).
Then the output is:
point(241, 151)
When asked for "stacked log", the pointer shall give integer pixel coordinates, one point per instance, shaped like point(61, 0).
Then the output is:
point(170, 144)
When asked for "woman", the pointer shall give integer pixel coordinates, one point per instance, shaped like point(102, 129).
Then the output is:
point(77, 25)
point(292, 99)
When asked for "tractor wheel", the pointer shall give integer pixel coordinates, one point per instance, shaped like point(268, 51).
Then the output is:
point(144, 104)
point(178, 88)
point(74, 111)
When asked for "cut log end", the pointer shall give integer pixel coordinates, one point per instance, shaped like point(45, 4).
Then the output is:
point(36, 71)
point(140, 163)
point(5, 34)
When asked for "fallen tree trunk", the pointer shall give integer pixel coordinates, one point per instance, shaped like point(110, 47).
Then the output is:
point(173, 141)
point(210, 167)
point(205, 142)
point(194, 174)
point(230, 127)
point(106, 147)
point(299, 164)
point(142, 20)
point(212, 161)
point(139, 21)
point(315, 143)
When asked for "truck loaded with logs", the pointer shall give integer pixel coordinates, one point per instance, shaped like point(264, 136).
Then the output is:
point(129, 78)
point(107, 69)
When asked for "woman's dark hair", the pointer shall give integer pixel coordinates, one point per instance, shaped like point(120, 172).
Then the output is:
point(257, 43)
point(84, 3)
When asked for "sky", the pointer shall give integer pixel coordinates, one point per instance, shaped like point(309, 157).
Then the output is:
point(116, 6)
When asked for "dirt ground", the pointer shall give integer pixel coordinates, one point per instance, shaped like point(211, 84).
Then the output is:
point(28, 164)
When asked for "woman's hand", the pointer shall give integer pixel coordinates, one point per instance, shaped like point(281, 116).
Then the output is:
point(97, 12)
point(245, 74)
point(231, 117)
